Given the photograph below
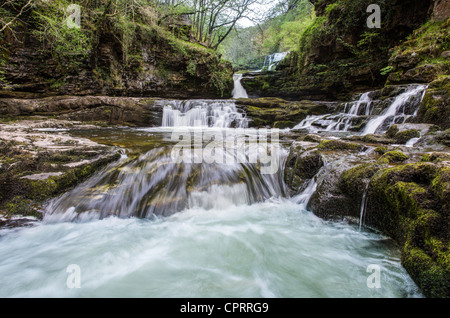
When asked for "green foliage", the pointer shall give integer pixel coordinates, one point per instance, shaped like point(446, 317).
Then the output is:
point(246, 47)
point(191, 68)
point(386, 70)
point(67, 43)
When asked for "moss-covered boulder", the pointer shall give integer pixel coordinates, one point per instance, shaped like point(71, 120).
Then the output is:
point(335, 144)
point(435, 106)
point(408, 203)
point(301, 166)
point(393, 156)
point(37, 166)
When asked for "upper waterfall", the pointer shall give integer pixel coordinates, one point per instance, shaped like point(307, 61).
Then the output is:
point(239, 90)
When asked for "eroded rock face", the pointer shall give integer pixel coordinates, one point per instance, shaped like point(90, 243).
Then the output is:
point(161, 64)
point(39, 160)
point(110, 110)
point(280, 113)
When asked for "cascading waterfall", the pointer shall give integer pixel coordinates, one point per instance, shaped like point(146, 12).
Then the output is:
point(153, 184)
point(238, 90)
point(339, 122)
point(203, 113)
point(157, 184)
point(272, 60)
point(397, 110)
point(403, 107)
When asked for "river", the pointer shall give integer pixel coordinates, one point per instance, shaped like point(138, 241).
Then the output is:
point(146, 226)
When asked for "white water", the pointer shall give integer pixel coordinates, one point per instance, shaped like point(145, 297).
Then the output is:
point(202, 113)
point(338, 122)
point(238, 90)
point(304, 197)
point(412, 141)
point(272, 60)
point(147, 227)
point(269, 249)
point(363, 206)
point(396, 109)
point(342, 122)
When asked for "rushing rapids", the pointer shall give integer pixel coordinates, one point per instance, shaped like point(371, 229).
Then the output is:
point(151, 226)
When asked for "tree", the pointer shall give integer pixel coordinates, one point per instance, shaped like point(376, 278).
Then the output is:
point(11, 10)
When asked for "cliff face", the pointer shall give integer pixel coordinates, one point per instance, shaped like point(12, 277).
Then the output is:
point(339, 54)
point(108, 56)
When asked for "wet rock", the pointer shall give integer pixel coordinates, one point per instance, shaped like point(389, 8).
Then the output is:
point(435, 106)
point(38, 165)
point(280, 113)
point(110, 110)
point(301, 165)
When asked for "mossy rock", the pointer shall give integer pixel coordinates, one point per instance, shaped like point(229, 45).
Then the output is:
point(392, 131)
point(332, 144)
point(381, 150)
point(20, 194)
point(312, 138)
point(403, 136)
point(443, 137)
point(394, 156)
point(410, 203)
point(282, 124)
point(353, 182)
point(435, 106)
point(435, 157)
point(300, 167)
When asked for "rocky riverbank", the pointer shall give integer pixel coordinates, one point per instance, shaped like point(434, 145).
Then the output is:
point(39, 160)
point(391, 187)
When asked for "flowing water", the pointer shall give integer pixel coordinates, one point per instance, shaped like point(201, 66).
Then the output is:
point(397, 110)
point(272, 60)
point(238, 91)
point(400, 108)
point(147, 226)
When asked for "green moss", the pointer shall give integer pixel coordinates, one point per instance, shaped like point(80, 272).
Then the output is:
point(353, 182)
point(409, 203)
point(381, 150)
point(21, 206)
point(403, 136)
point(435, 108)
point(433, 278)
point(281, 124)
point(338, 145)
point(394, 156)
point(392, 131)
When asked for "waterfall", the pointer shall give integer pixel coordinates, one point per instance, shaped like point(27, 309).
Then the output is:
point(396, 111)
point(272, 60)
point(154, 183)
point(239, 90)
point(339, 122)
point(363, 206)
point(202, 113)
point(412, 141)
point(345, 119)
point(400, 108)
point(305, 196)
